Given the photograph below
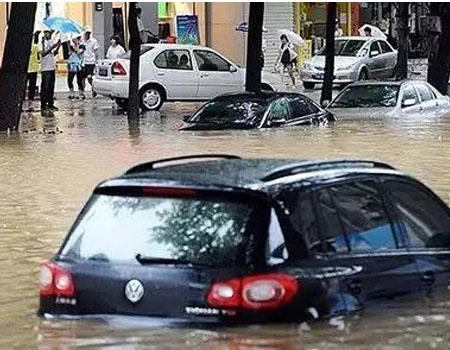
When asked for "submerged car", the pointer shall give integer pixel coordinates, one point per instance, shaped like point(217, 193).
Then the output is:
point(389, 98)
point(356, 58)
point(223, 240)
point(257, 110)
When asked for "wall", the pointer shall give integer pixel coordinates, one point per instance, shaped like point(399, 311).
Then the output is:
point(102, 27)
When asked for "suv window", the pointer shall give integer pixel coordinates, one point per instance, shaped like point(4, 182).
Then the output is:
point(424, 217)
point(409, 93)
point(209, 61)
point(174, 59)
point(301, 107)
point(277, 252)
point(385, 48)
point(424, 92)
point(362, 216)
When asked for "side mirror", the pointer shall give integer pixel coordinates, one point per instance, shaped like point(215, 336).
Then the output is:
point(325, 103)
point(186, 118)
point(277, 122)
point(409, 102)
point(374, 53)
point(233, 69)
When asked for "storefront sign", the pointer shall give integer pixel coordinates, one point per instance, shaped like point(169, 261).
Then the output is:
point(187, 29)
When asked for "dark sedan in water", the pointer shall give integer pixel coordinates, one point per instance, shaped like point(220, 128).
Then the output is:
point(219, 239)
point(253, 111)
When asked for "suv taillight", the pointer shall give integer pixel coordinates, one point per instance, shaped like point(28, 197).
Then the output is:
point(260, 292)
point(55, 281)
point(117, 69)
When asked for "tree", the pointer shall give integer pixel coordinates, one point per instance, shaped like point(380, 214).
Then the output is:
point(135, 47)
point(402, 13)
point(439, 46)
point(13, 74)
point(254, 47)
point(327, 87)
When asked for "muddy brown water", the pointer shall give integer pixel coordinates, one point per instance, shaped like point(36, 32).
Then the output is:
point(50, 168)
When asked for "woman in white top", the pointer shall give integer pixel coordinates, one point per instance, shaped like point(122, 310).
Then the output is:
point(287, 57)
point(115, 50)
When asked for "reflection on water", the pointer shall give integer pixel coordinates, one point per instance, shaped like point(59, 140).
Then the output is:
point(49, 170)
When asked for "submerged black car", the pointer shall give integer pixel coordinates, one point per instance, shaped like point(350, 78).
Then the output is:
point(248, 110)
point(230, 240)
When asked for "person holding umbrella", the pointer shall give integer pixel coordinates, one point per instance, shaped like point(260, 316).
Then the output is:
point(48, 50)
point(287, 57)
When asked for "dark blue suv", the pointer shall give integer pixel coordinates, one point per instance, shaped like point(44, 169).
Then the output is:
point(219, 239)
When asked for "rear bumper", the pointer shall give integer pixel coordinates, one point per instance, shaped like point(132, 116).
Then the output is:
point(115, 88)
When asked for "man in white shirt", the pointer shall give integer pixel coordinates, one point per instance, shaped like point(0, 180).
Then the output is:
point(90, 56)
point(47, 51)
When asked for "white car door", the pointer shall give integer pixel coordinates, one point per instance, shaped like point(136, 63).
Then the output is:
point(375, 62)
point(216, 75)
point(410, 103)
point(427, 98)
point(389, 58)
point(174, 70)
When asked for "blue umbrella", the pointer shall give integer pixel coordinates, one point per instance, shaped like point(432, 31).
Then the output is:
point(64, 25)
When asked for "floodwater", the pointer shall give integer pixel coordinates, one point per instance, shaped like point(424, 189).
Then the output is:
point(50, 168)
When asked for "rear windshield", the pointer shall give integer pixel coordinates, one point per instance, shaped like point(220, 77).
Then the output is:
point(232, 110)
point(345, 47)
point(144, 49)
point(366, 96)
point(197, 231)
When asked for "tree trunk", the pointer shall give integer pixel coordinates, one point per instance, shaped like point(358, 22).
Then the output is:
point(439, 48)
point(254, 47)
point(13, 74)
point(401, 68)
point(135, 47)
point(327, 87)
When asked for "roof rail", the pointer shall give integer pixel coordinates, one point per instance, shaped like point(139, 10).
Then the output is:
point(150, 165)
point(302, 167)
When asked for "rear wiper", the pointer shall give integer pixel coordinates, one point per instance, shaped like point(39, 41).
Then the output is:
point(154, 260)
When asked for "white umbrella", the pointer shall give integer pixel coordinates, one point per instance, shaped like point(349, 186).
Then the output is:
point(294, 38)
point(376, 32)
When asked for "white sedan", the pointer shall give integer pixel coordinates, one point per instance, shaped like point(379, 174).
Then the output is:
point(171, 72)
point(389, 98)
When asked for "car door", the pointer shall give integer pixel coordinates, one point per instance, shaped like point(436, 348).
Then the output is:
point(389, 59)
point(216, 75)
point(362, 241)
point(302, 111)
point(427, 98)
point(375, 61)
point(409, 100)
point(174, 71)
point(424, 221)
point(278, 114)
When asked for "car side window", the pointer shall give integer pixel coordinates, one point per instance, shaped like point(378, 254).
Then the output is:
point(279, 111)
point(409, 93)
point(374, 48)
point(211, 62)
point(363, 217)
point(385, 48)
point(301, 107)
point(276, 247)
point(174, 59)
point(423, 217)
point(424, 92)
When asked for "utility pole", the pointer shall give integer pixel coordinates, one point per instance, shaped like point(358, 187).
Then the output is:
point(401, 69)
point(135, 47)
point(14, 67)
point(254, 47)
point(327, 87)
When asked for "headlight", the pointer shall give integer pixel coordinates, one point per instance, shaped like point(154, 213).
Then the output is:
point(307, 66)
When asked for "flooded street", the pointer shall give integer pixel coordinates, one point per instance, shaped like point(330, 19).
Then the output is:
point(49, 170)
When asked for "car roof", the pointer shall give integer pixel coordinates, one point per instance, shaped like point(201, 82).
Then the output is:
point(386, 82)
point(177, 46)
point(261, 94)
point(355, 37)
point(227, 172)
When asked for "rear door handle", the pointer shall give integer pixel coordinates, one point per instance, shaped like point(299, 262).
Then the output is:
point(204, 75)
point(355, 286)
point(428, 278)
point(161, 74)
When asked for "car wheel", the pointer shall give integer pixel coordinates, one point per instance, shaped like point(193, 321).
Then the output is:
point(152, 98)
point(122, 103)
point(308, 86)
point(363, 75)
point(266, 87)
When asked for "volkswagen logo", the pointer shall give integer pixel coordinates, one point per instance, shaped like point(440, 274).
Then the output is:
point(134, 290)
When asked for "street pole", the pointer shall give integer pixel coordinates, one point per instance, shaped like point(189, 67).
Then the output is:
point(14, 67)
point(401, 69)
point(254, 47)
point(135, 47)
point(327, 87)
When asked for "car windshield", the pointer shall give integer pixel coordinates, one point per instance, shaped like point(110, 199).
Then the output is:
point(127, 229)
point(345, 47)
point(232, 110)
point(366, 96)
point(144, 49)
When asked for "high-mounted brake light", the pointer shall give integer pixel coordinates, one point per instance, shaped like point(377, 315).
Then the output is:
point(260, 292)
point(118, 69)
point(55, 281)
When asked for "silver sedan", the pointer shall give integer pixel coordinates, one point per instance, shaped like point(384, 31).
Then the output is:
point(356, 58)
point(389, 98)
